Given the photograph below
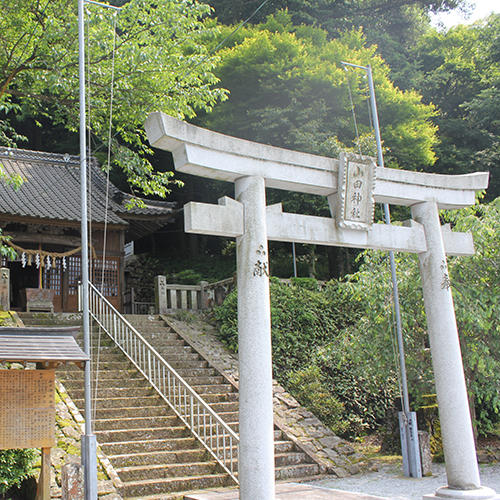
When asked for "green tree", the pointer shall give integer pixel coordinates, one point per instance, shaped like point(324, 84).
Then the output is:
point(15, 466)
point(160, 63)
point(288, 88)
point(366, 350)
point(460, 75)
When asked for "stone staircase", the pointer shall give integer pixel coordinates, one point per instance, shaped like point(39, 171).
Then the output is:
point(150, 448)
point(153, 453)
point(218, 392)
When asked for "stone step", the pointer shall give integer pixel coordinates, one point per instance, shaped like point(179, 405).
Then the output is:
point(129, 412)
point(217, 398)
point(137, 402)
point(104, 383)
point(283, 447)
point(224, 406)
point(103, 424)
point(196, 372)
point(291, 458)
point(191, 364)
point(214, 389)
point(204, 380)
point(176, 356)
point(116, 392)
point(152, 433)
point(296, 471)
point(168, 485)
point(159, 457)
point(158, 471)
point(149, 445)
point(74, 373)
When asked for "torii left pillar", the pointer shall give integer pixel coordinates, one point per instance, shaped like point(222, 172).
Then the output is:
point(254, 345)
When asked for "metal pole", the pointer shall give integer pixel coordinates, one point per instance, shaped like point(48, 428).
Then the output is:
point(88, 439)
point(294, 260)
point(408, 424)
point(387, 217)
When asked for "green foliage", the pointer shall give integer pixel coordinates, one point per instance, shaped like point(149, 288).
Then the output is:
point(288, 88)
point(460, 74)
point(15, 466)
point(309, 386)
point(161, 62)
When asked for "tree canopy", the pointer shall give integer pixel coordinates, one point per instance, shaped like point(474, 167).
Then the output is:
point(288, 88)
point(460, 74)
point(160, 63)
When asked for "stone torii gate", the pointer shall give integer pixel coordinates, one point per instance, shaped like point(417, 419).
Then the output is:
point(352, 184)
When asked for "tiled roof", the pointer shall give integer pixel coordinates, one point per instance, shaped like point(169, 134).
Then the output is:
point(52, 190)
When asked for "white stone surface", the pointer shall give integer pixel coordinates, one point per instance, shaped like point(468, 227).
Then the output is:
point(256, 453)
point(209, 154)
point(456, 428)
point(224, 219)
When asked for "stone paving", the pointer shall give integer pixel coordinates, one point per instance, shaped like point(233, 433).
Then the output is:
point(288, 491)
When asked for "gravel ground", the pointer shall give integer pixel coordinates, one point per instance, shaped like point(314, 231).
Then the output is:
point(389, 482)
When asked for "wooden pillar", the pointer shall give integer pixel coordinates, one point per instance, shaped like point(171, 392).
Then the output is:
point(43, 489)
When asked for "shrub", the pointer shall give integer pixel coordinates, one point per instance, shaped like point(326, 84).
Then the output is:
point(15, 466)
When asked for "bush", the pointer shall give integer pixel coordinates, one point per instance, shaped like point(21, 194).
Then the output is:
point(15, 466)
point(308, 386)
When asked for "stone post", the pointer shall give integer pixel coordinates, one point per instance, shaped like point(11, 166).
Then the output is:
point(4, 288)
point(458, 441)
point(256, 454)
point(71, 481)
point(204, 296)
point(161, 294)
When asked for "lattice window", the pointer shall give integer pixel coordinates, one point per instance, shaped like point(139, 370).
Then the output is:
point(74, 270)
point(52, 278)
point(111, 276)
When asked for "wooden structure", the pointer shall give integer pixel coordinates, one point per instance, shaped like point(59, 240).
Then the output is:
point(43, 220)
point(27, 397)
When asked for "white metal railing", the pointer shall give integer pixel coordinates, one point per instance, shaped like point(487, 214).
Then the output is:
point(215, 435)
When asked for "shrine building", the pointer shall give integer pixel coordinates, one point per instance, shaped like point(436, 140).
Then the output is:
point(43, 220)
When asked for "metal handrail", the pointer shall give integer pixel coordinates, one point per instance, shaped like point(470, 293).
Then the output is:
point(213, 433)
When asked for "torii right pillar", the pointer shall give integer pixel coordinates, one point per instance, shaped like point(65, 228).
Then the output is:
point(462, 469)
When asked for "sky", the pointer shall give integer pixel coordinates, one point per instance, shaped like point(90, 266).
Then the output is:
point(482, 9)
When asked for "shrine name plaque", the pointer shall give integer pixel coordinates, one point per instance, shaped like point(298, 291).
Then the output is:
point(27, 409)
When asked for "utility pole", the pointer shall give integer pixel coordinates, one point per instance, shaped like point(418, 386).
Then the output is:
point(89, 445)
point(407, 419)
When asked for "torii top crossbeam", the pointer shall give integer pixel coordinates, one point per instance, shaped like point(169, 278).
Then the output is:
point(209, 154)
